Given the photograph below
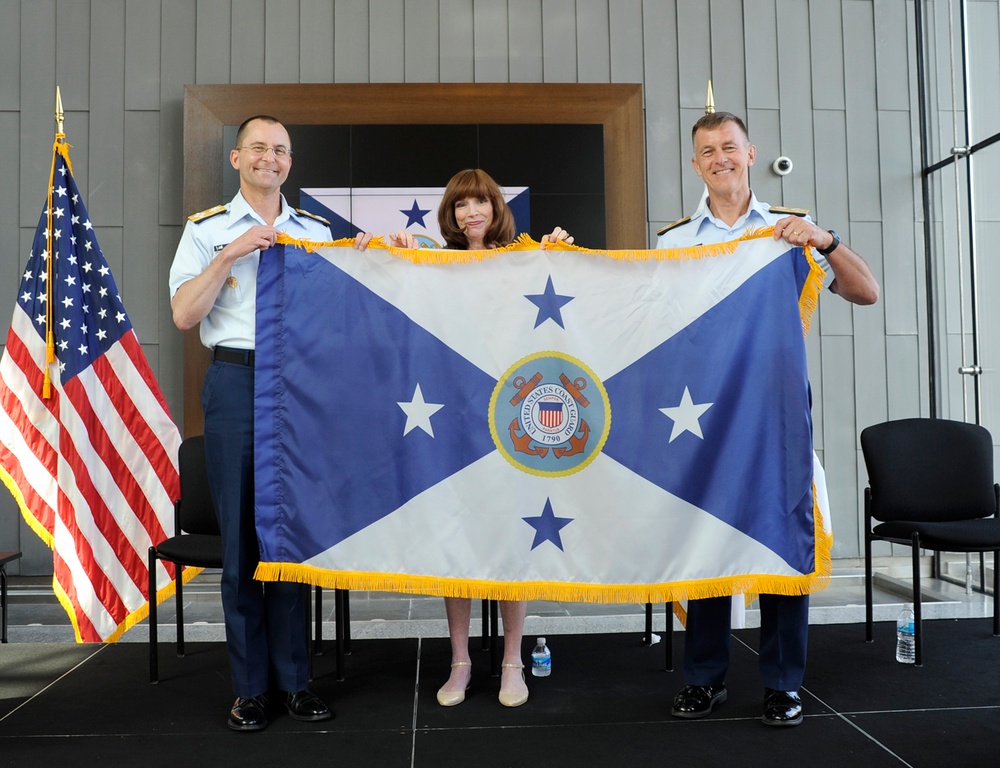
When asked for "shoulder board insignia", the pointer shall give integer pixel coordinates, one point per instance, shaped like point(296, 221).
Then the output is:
point(677, 223)
point(207, 213)
point(790, 211)
point(313, 216)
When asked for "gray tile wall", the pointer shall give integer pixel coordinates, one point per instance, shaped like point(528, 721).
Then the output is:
point(830, 83)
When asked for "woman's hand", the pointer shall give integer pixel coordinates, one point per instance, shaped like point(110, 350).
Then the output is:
point(361, 240)
point(403, 239)
point(555, 236)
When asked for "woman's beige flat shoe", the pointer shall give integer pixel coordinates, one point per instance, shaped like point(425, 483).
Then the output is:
point(453, 698)
point(509, 699)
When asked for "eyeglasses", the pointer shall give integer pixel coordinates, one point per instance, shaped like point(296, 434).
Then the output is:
point(259, 150)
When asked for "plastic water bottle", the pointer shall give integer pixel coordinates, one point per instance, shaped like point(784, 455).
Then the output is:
point(905, 646)
point(541, 659)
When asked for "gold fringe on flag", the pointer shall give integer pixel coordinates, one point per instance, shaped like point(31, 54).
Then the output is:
point(748, 585)
point(576, 592)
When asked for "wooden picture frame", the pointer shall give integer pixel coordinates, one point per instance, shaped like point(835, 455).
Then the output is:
point(617, 107)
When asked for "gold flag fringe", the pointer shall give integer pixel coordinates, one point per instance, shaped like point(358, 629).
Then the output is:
point(577, 592)
point(748, 585)
point(524, 242)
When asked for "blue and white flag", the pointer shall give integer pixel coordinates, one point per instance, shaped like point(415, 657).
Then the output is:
point(397, 209)
point(539, 424)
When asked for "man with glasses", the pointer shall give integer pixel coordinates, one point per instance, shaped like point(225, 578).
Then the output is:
point(213, 281)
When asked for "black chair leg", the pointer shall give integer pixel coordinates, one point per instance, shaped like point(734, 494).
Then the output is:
point(647, 637)
point(918, 630)
point(338, 617)
point(485, 608)
point(318, 636)
point(668, 636)
point(494, 639)
point(179, 594)
point(347, 621)
point(996, 594)
point(154, 673)
point(869, 576)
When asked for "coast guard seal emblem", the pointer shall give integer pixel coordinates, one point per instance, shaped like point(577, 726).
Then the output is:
point(549, 414)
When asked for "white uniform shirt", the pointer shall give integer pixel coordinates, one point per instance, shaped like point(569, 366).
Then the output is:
point(705, 229)
point(232, 320)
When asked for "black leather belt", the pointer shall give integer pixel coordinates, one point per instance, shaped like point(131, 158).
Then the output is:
point(233, 355)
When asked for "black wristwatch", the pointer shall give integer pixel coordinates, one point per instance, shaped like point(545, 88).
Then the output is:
point(832, 246)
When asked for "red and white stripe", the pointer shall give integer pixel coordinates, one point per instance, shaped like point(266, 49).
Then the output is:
point(94, 470)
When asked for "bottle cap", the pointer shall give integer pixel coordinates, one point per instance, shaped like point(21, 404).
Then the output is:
point(541, 641)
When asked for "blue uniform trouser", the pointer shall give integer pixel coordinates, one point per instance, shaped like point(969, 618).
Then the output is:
point(265, 621)
point(784, 637)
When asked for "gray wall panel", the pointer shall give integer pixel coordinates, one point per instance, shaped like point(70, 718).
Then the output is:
point(38, 99)
point(984, 78)
point(826, 60)
point(728, 55)
point(765, 131)
point(142, 55)
point(12, 268)
point(627, 47)
point(559, 49)
point(832, 212)
point(668, 149)
point(351, 48)
point(171, 341)
point(827, 82)
point(421, 43)
point(840, 440)
point(105, 189)
point(281, 41)
point(316, 47)
point(457, 42)
point(141, 241)
point(892, 54)
point(694, 63)
point(248, 42)
point(489, 22)
point(871, 383)
point(524, 39)
point(593, 39)
point(73, 71)
point(10, 55)
point(795, 87)
point(901, 257)
point(904, 396)
point(214, 39)
point(761, 40)
point(862, 118)
point(177, 67)
point(386, 39)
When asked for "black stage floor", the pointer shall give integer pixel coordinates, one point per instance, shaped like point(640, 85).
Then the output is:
point(606, 704)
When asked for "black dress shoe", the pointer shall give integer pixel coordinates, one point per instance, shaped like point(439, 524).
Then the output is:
point(696, 701)
point(307, 706)
point(782, 707)
point(249, 714)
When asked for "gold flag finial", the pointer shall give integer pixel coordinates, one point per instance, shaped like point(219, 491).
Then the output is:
point(709, 100)
point(59, 111)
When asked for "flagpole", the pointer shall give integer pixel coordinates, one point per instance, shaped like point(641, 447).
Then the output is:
point(50, 343)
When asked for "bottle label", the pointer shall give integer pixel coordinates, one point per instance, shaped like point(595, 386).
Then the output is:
point(541, 662)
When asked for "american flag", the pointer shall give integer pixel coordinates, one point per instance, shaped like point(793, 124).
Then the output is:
point(87, 444)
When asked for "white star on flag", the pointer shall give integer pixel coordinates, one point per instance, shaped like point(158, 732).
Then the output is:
point(418, 413)
point(685, 416)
